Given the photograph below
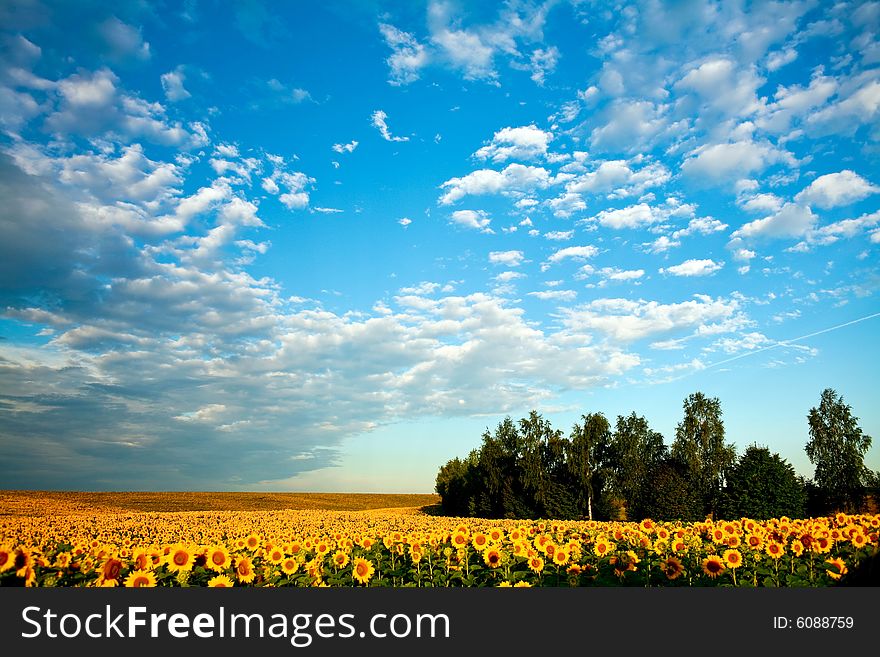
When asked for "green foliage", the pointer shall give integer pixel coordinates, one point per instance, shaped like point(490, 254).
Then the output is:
point(837, 449)
point(528, 469)
point(668, 494)
point(634, 452)
point(761, 485)
point(699, 445)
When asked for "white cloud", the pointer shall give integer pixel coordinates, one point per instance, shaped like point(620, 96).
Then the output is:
point(837, 189)
point(793, 220)
point(172, 85)
point(463, 49)
point(617, 174)
point(542, 62)
point(625, 320)
point(508, 258)
point(728, 162)
point(631, 125)
point(633, 216)
point(123, 39)
point(345, 148)
point(554, 295)
point(407, 58)
point(693, 267)
point(379, 122)
point(507, 276)
point(574, 252)
point(405, 221)
point(779, 58)
point(559, 235)
point(513, 178)
point(474, 219)
point(846, 115)
point(761, 203)
point(523, 143)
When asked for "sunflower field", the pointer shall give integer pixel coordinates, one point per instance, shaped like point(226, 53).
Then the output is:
point(332, 548)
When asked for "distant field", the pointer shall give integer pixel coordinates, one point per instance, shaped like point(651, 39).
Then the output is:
point(51, 503)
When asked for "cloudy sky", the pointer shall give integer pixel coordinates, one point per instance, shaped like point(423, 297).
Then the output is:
point(270, 246)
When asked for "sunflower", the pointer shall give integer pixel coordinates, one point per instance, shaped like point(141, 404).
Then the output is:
point(140, 579)
point(775, 549)
point(536, 564)
point(275, 556)
point(574, 570)
point(459, 540)
point(838, 570)
point(480, 541)
point(180, 558)
point(858, 540)
point(252, 542)
point(496, 534)
point(362, 570)
point(492, 557)
point(244, 570)
point(110, 570)
point(522, 585)
point(141, 559)
point(289, 566)
point(22, 561)
point(733, 558)
point(733, 541)
point(220, 582)
point(340, 559)
point(505, 585)
point(755, 541)
point(603, 546)
point(217, 558)
point(797, 548)
point(672, 568)
point(822, 545)
point(560, 557)
point(713, 566)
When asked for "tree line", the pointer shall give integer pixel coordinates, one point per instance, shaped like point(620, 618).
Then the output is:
point(528, 469)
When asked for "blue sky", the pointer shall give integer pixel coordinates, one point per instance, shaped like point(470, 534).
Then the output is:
point(271, 246)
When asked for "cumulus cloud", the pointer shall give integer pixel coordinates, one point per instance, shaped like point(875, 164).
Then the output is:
point(523, 143)
point(379, 119)
point(172, 85)
point(719, 163)
point(837, 189)
point(554, 295)
point(124, 40)
point(633, 216)
point(542, 62)
point(345, 148)
point(473, 219)
point(694, 267)
point(573, 252)
point(626, 320)
point(792, 220)
point(514, 178)
point(407, 58)
point(507, 258)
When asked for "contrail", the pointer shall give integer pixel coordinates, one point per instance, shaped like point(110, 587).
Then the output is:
point(784, 343)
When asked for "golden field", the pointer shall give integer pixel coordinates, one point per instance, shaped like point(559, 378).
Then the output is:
point(88, 539)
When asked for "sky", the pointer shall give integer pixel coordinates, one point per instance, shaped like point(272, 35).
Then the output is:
point(289, 246)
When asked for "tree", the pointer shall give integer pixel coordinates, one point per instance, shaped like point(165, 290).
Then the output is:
point(634, 452)
point(699, 445)
point(761, 485)
point(837, 449)
point(668, 494)
point(587, 459)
